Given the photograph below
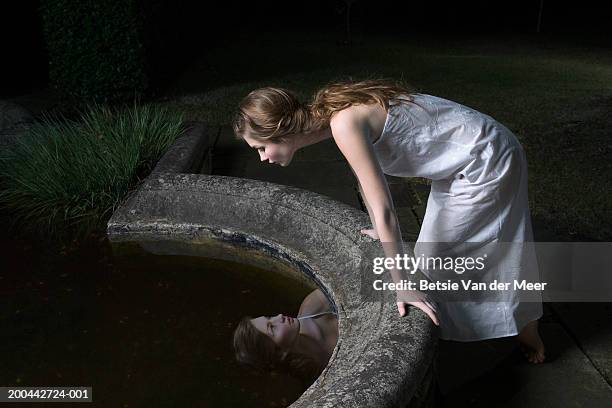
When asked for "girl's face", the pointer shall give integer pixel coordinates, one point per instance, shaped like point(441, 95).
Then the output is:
point(283, 330)
point(275, 151)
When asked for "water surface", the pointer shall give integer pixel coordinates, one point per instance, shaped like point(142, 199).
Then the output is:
point(141, 329)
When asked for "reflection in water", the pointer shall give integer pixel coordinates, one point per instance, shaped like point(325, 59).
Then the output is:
point(142, 330)
point(299, 345)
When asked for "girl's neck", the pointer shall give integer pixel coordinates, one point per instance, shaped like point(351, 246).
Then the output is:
point(307, 139)
point(309, 328)
point(310, 340)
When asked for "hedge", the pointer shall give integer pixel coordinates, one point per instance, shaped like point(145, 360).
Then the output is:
point(95, 48)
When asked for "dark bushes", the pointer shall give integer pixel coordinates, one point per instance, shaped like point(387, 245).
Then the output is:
point(95, 48)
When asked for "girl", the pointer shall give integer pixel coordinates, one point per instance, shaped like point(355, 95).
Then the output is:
point(477, 167)
point(301, 345)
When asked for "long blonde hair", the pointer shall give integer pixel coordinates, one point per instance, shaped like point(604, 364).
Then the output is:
point(255, 349)
point(271, 113)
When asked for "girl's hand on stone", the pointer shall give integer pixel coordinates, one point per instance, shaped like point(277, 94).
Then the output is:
point(370, 233)
point(417, 299)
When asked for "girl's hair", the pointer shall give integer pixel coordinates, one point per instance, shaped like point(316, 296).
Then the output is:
point(270, 113)
point(258, 351)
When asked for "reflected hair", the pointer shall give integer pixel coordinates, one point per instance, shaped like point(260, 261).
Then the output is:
point(271, 113)
point(258, 351)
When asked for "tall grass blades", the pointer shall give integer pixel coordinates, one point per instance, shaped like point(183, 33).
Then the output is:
point(69, 175)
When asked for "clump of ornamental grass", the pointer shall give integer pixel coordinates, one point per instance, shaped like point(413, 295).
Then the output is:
point(69, 175)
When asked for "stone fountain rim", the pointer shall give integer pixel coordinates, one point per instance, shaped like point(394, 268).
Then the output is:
point(130, 222)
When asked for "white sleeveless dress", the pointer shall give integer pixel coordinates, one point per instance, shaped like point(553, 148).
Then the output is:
point(478, 194)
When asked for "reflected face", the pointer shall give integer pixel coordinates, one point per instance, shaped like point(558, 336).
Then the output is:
point(274, 151)
point(283, 330)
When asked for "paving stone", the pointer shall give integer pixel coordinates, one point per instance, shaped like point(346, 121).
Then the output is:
point(226, 141)
point(420, 212)
point(569, 380)
point(422, 190)
point(408, 222)
point(403, 193)
point(590, 324)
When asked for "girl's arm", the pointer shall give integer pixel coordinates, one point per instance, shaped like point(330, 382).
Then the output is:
point(370, 232)
point(350, 132)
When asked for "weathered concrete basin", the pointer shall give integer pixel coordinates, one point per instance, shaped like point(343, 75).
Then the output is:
point(380, 360)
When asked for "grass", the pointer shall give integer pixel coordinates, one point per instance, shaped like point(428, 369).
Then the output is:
point(69, 175)
point(555, 97)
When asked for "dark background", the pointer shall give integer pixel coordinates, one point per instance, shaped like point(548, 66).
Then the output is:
point(175, 27)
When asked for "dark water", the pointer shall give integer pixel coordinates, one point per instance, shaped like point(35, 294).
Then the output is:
point(141, 329)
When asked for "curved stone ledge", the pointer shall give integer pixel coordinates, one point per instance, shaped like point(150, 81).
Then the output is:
point(380, 360)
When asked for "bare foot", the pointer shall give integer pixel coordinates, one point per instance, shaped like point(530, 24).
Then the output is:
point(531, 343)
point(370, 232)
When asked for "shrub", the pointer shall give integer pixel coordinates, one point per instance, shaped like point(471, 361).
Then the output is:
point(95, 48)
point(69, 176)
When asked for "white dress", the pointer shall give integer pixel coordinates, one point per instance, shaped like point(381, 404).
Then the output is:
point(478, 194)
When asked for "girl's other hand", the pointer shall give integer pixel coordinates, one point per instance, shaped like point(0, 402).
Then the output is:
point(417, 299)
point(370, 233)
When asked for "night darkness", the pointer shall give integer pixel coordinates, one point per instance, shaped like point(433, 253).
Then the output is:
point(181, 25)
point(99, 92)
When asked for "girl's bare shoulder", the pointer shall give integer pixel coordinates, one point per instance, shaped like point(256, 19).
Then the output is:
point(371, 117)
point(352, 112)
point(315, 302)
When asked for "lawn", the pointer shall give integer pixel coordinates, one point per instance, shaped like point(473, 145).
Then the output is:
point(556, 97)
